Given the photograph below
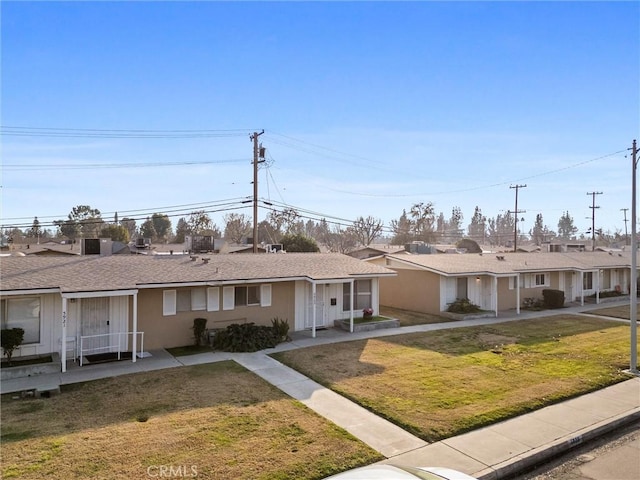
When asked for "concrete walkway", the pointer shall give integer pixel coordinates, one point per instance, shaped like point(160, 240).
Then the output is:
point(489, 453)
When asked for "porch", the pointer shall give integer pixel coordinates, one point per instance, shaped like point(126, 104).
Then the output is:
point(31, 385)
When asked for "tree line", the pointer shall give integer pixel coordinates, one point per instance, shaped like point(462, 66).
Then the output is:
point(419, 223)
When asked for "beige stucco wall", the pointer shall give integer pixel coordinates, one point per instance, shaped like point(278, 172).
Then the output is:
point(506, 296)
point(411, 290)
point(175, 330)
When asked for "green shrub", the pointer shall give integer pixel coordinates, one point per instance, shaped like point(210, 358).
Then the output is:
point(608, 294)
point(553, 298)
point(11, 338)
point(200, 331)
point(535, 304)
point(245, 337)
point(280, 329)
point(463, 305)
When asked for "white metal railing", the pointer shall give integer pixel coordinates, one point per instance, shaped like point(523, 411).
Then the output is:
point(113, 347)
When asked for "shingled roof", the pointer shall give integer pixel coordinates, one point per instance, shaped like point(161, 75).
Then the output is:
point(85, 274)
point(512, 263)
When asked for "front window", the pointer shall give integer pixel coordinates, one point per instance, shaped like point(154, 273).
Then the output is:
point(246, 296)
point(22, 313)
point(184, 300)
point(587, 281)
point(540, 280)
point(362, 291)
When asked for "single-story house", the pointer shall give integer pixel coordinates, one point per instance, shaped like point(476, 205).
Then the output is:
point(430, 282)
point(95, 304)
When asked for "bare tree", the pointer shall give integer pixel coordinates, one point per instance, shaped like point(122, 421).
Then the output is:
point(367, 229)
point(341, 241)
point(422, 221)
point(237, 226)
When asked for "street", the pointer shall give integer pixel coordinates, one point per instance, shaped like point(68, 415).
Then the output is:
point(613, 457)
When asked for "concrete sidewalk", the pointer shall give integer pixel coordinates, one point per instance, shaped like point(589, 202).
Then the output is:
point(488, 453)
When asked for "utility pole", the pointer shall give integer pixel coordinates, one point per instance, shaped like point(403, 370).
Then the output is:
point(633, 288)
point(257, 158)
point(626, 233)
point(593, 218)
point(515, 213)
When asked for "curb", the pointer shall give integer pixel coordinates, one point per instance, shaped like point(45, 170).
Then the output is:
point(540, 455)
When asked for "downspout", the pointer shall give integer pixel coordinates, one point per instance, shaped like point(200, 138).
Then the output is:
point(135, 327)
point(351, 292)
point(517, 294)
point(63, 353)
point(313, 309)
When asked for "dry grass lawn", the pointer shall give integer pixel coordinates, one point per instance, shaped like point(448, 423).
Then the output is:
point(216, 420)
point(439, 384)
point(408, 318)
point(620, 311)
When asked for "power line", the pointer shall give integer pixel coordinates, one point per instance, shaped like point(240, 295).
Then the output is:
point(91, 166)
point(20, 131)
point(171, 211)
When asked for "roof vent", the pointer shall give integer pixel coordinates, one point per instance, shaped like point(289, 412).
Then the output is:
point(500, 257)
point(193, 258)
point(205, 259)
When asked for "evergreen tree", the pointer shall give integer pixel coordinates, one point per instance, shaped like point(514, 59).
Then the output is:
point(182, 229)
point(299, 243)
point(478, 227)
point(566, 228)
point(147, 230)
point(161, 225)
point(401, 230)
point(35, 231)
point(454, 226)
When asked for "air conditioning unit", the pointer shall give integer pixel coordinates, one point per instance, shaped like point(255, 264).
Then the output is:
point(143, 242)
point(273, 247)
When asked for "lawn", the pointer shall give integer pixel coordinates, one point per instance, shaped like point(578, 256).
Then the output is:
point(215, 421)
point(440, 384)
point(408, 318)
point(620, 311)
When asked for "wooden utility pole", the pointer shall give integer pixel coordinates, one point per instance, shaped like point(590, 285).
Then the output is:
point(633, 288)
point(626, 231)
point(256, 160)
point(593, 218)
point(515, 213)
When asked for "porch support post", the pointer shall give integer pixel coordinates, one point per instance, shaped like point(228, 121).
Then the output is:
point(134, 341)
point(517, 293)
point(494, 287)
point(597, 287)
point(63, 353)
point(313, 309)
point(581, 288)
point(351, 292)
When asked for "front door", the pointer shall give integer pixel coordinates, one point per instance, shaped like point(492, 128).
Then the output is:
point(321, 317)
point(570, 295)
point(94, 321)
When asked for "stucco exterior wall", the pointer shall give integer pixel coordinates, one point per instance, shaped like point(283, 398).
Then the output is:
point(175, 330)
point(411, 290)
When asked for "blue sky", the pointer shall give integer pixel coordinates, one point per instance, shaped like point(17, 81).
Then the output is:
point(367, 107)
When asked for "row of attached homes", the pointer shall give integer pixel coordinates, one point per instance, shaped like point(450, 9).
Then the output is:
point(80, 305)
